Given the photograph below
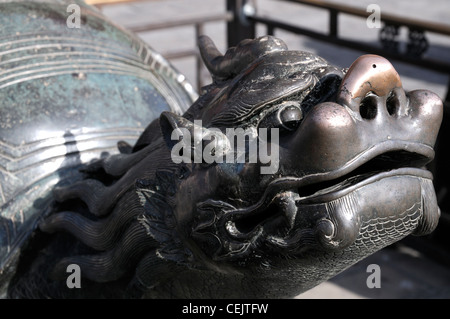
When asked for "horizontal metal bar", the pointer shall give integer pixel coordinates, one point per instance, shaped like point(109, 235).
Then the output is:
point(435, 65)
point(180, 54)
point(388, 18)
point(227, 16)
point(101, 3)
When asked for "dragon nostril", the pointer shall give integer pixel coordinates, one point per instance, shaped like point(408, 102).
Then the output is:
point(392, 103)
point(368, 107)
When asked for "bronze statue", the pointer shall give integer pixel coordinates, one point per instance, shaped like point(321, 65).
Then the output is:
point(284, 172)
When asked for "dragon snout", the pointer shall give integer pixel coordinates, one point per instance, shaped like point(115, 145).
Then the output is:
point(373, 91)
point(372, 115)
point(372, 88)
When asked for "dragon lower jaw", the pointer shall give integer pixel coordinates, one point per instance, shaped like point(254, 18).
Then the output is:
point(346, 214)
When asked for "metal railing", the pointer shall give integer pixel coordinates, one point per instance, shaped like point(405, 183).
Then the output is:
point(241, 22)
point(415, 49)
point(197, 23)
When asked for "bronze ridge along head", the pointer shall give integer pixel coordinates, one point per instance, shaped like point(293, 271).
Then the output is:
point(284, 172)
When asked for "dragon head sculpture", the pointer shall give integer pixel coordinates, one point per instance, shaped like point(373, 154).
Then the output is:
point(284, 172)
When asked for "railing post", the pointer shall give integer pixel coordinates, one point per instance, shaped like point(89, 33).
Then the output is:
point(333, 27)
point(198, 59)
point(239, 27)
point(447, 96)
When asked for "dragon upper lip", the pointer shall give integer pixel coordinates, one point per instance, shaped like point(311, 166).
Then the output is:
point(386, 159)
point(390, 158)
point(387, 155)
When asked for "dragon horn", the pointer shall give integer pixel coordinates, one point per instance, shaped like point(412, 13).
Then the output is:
point(223, 67)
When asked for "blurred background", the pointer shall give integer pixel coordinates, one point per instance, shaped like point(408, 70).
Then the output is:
point(413, 34)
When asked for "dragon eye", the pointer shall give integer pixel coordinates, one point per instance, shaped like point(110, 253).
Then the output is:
point(286, 116)
point(290, 115)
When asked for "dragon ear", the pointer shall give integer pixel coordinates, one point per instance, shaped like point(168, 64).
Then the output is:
point(191, 138)
point(177, 133)
point(175, 127)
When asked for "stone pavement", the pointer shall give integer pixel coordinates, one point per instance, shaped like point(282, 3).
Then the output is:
point(404, 272)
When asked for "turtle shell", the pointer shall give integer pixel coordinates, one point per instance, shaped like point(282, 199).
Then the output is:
point(67, 96)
